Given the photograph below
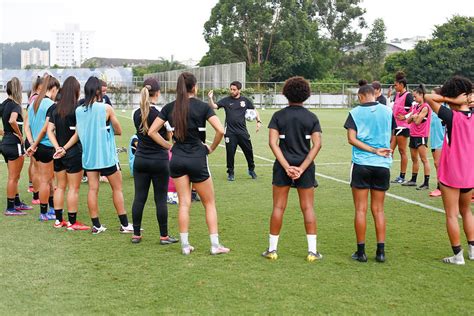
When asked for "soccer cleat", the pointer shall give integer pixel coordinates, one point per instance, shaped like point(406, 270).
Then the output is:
point(126, 229)
point(313, 256)
point(23, 207)
point(272, 255)
point(186, 250)
point(13, 212)
point(456, 259)
point(58, 224)
point(77, 226)
point(168, 240)
point(136, 239)
point(398, 180)
point(471, 252)
point(51, 212)
point(84, 179)
point(359, 257)
point(409, 184)
point(219, 250)
point(172, 198)
point(380, 257)
point(423, 187)
point(98, 230)
point(230, 177)
point(30, 189)
point(46, 217)
point(35, 202)
point(195, 197)
point(435, 193)
point(252, 174)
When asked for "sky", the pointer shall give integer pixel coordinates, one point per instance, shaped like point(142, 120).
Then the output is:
point(161, 28)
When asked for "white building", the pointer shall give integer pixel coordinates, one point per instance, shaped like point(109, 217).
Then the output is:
point(71, 46)
point(34, 57)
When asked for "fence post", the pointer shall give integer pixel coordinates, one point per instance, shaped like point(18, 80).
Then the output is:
point(343, 95)
point(274, 94)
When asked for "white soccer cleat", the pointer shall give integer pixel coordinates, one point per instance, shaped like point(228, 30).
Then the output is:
point(126, 229)
point(186, 250)
point(219, 250)
point(456, 259)
point(471, 252)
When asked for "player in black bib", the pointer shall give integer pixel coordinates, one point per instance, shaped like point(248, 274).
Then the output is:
point(292, 130)
point(187, 116)
point(236, 133)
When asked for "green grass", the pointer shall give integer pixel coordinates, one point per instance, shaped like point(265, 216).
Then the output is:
point(48, 271)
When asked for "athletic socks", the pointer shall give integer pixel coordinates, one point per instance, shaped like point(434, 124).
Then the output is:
point(427, 181)
point(51, 202)
point(471, 242)
point(273, 242)
point(10, 204)
point(311, 243)
point(437, 186)
point(95, 222)
point(456, 249)
point(402, 175)
point(360, 248)
point(123, 220)
point(380, 248)
point(17, 199)
point(184, 239)
point(71, 218)
point(59, 215)
point(214, 240)
point(413, 177)
point(44, 208)
point(36, 195)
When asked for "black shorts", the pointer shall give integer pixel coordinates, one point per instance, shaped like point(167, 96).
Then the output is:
point(305, 181)
point(151, 166)
point(416, 142)
point(71, 164)
point(105, 172)
point(463, 190)
point(405, 132)
point(194, 167)
point(370, 177)
point(44, 153)
point(12, 152)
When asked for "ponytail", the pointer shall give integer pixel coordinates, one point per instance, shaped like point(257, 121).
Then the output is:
point(144, 108)
point(49, 82)
point(14, 90)
point(421, 90)
point(186, 84)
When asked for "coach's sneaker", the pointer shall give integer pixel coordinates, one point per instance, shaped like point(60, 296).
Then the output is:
point(380, 257)
point(46, 217)
point(98, 230)
point(409, 183)
point(471, 252)
point(359, 257)
point(456, 259)
point(271, 255)
point(136, 239)
point(77, 226)
point(58, 224)
point(187, 249)
point(231, 177)
point(398, 180)
point(126, 229)
point(168, 240)
point(313, 256)
point(13, 212)
point(435, 193)
point(252, 174)
point(23, 207)
point(423, 187)
point(219, 250)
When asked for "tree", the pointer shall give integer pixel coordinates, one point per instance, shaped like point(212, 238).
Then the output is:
point(376, 47)
point(164, 65)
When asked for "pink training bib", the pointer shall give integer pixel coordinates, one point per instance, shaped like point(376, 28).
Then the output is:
point(455, 166)
point(399, 108)
point(422, 129)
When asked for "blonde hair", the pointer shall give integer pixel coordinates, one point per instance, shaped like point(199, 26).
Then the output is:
point(14, 90)
point(145, 108)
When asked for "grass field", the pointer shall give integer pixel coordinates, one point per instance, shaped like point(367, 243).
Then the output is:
point(49, 271)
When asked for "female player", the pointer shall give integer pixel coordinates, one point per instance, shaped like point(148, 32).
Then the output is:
point(187, 115)
point(33, 180)
point(96, 125)
point(401, 112)
point(436, 140)
point(420, 121)
point(12, 146)
point(292, 130)
point(41, 148)
point(67, 163)
point(455, 173)
point(150, 164)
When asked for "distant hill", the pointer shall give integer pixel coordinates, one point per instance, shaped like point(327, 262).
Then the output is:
point(11, 52)
point(100, 62)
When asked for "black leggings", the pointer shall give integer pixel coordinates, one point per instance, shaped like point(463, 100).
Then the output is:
point(145, 171)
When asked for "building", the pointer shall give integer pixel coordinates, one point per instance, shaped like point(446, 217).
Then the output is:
point(71, 47)
point(34, 57)
point(390, 49)
point(407, 43)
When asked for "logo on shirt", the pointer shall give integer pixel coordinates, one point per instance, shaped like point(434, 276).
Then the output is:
point(242, 104)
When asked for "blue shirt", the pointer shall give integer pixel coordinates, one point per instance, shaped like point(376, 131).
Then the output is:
point(37, 120)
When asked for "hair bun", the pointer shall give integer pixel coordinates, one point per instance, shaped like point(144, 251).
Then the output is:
point(400, 75)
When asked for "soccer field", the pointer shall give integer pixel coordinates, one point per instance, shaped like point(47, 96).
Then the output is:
point(52, 271)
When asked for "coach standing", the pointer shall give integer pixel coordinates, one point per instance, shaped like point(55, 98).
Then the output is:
point(235, 130)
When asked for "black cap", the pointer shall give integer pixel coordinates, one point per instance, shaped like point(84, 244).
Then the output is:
point(152, 84)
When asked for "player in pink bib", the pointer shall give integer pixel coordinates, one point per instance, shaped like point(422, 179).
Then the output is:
point(455, 172)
